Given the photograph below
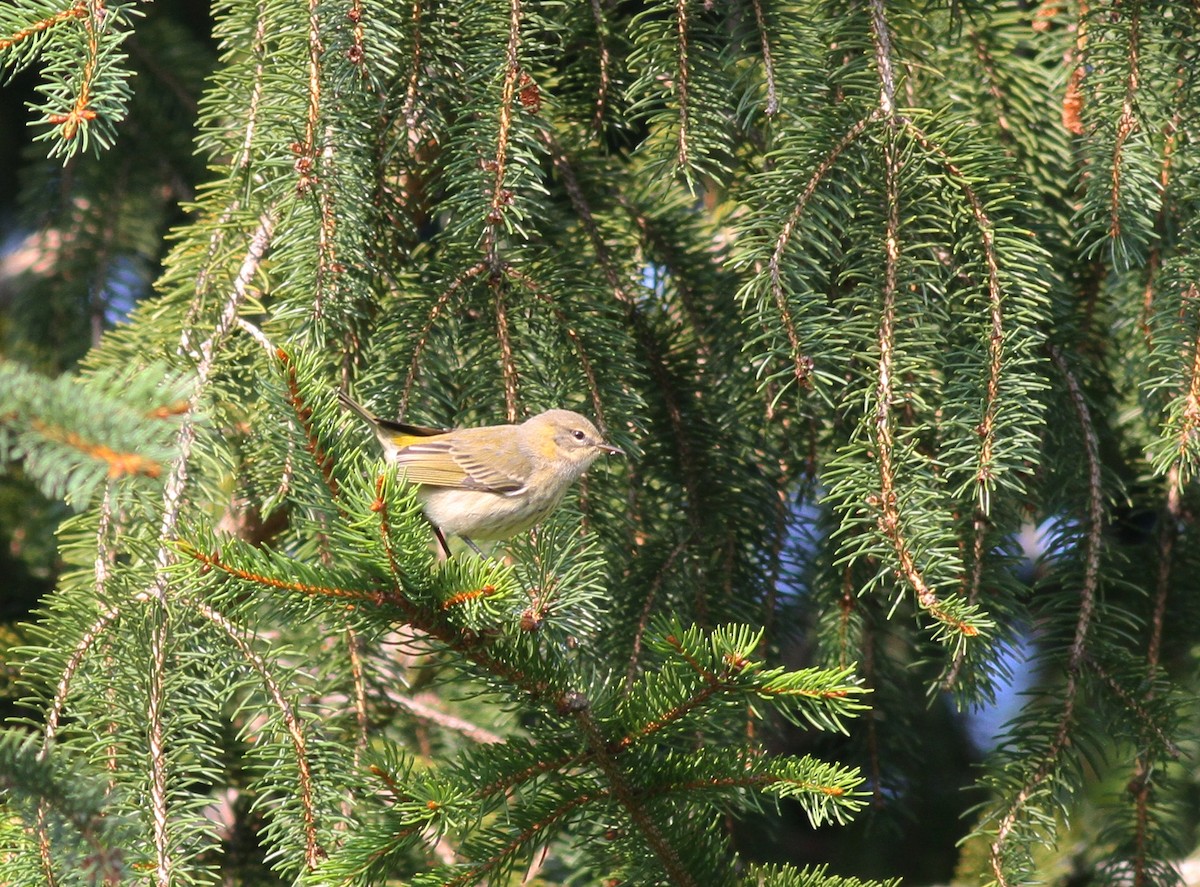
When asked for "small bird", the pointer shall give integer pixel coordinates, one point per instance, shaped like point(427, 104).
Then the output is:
point(491, 482)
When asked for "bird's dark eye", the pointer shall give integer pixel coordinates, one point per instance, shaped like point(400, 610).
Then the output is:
point(578, 434)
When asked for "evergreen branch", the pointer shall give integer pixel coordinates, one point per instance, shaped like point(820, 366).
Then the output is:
point(462, 597)
point(762, 780)
point(323, 460)
point(890, 521)
point(509, 781)
point(315, 166)
point(653, 355)
point(987, 62)
point(664, 246)
point(984, 474)
point(803, 364)
point(307, 160)
point(1144, 766)
point(559, 158)
point(422, 339)
point(105, 558)
point(77, 433)
point(257, 80)
point(1186, 409)
point(768, 63)
point(79, 799)
point(430, 621)
point(973, 582)
point(1127, 122)
point(379, 506)
point(712, 686)
point(155, 691)
point(720, 660)
point(474, 874)
point(1138, 709)
point(585, 361)
point(1168, 524)
point(1078, 649)
point(647, 611)
point(354, 649)
point(172, 506)
point(624, 794)
point(785, 876)
point(508, 368)
point(825, 791)
point(411, 89)
point(81, 111)
point(1154, 260)
point(468, 646)
point(83, 647)
point(605, 65)
point(357, 52)
point(446, 721)
point(882, 39)
point(78, 10)
point(501, 196)
point(119, 464)
point(213, 560)
point(287, 475)
point(681, 83)
point(314, 853)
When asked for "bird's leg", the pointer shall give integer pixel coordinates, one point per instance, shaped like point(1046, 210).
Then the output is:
point(437, 531)
point(475, 548)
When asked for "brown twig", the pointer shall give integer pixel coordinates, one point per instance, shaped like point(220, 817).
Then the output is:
point(624, 794)
point(508, 363)
point(987, 425)
point(439, 306)
point(1127, 122)
point(890, 521)
point(1087, 603)
point(81, 111)
point(172, 507)
point(682, 82)
point(768, 62)
point(802, 364)
point(77, 10)
point(605, 65)
point(292, 724)
point(501, 196)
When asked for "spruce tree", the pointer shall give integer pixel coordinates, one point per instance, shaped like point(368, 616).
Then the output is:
point(868, 293)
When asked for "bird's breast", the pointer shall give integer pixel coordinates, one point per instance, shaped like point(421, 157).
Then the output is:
point(485, 516)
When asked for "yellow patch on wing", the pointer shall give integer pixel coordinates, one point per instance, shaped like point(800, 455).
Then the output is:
point(441, 463)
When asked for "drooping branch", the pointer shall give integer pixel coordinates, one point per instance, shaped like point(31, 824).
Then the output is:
point(313, 852)
point(501, 198)
point(1092, 547)
point(1127, 122)
point(764, 39)
point(172, 506)
point(802, 364)
point(78, 10)
point(682, 75)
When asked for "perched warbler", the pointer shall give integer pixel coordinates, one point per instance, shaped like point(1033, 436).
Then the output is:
point(491, 482)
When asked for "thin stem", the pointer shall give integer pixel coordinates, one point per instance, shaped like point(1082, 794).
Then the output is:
point(1093, 542)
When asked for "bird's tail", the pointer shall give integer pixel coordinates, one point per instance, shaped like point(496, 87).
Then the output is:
point(357, 408)
point(387, 427)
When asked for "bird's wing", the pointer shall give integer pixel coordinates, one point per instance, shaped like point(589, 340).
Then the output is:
point(462, 465)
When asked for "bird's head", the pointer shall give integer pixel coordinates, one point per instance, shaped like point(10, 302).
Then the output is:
point(565, 439)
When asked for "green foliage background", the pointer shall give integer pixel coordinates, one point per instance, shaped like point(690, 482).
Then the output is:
point(893, 306)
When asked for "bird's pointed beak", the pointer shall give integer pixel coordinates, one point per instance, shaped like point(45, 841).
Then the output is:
point(611, 450)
